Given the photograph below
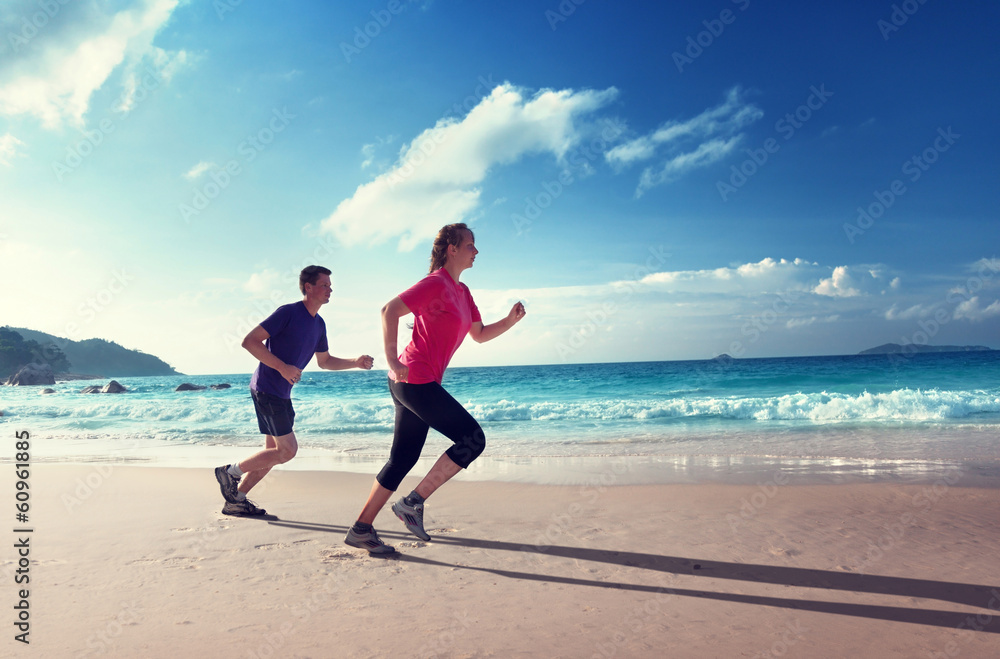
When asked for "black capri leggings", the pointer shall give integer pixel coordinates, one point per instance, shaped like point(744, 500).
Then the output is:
point(423, 406)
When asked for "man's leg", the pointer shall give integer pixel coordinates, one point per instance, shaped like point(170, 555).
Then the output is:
point(278, 450)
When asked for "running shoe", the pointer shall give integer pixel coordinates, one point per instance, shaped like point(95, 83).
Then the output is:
point(227, 482)
point(245, 508)
point(369, 541)
point(412, 516)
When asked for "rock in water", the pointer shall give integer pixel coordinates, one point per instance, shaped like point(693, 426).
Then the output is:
point(187, 386)
point(113, 388)
point(33, 374)
point(47, 390)
point(222, 385)
point(92, 389)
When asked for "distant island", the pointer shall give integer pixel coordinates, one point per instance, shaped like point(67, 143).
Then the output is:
point(95, 357)
point(895, 348)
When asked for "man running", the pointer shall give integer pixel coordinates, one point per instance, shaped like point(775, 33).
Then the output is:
point(284, 343)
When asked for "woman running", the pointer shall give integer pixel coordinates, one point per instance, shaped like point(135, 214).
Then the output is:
point(444, 312)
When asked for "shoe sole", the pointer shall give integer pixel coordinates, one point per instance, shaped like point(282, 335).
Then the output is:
point(260, 513)
point(360, 545)
point(410, 526)
point(222, 484)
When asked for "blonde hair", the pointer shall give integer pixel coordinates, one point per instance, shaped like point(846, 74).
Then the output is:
point(450, 234)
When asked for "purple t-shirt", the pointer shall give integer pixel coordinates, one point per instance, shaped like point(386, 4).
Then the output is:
point(295, 336)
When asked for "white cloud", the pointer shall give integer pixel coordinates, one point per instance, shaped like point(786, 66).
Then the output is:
point(691, 144)
point(793, 323)
point(971, 310)
point(198, 170)
point(703, 156)
point(369, 150)
point(911, 312)
point(437, 176)
point(8, 148)
point(766, 276)
point(852, 282)
point(266, 283)
point(55, 80)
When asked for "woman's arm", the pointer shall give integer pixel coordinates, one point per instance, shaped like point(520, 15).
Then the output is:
point(391, 313)
point(482, 333)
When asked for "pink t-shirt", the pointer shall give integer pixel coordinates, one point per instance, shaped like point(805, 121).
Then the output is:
point(443, 312)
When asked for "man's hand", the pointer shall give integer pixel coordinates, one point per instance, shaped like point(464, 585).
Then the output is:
point(290, 373)
point(365, 362)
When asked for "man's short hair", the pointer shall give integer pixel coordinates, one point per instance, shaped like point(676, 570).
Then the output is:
point(310, 274)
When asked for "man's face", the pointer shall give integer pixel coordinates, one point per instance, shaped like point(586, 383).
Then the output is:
point(321, 290)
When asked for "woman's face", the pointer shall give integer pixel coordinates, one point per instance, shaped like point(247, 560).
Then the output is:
point(465, 254)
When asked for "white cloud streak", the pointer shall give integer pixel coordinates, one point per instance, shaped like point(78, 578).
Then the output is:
point(436, 179)
point(198, 170)
point(55, 80)
point(8, 148)
point(692, 144)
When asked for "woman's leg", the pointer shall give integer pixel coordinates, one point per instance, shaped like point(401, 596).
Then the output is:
point(438, 409)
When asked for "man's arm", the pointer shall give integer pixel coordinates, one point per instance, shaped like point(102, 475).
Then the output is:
point(482, 333)
point(331, 363)
point(254, 344)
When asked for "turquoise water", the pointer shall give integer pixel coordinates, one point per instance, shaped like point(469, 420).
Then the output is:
point(921, 407)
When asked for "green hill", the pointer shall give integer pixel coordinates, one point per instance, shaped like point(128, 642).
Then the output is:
point(100, 357)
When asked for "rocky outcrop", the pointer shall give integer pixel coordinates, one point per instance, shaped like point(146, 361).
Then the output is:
point(31, 375)
point(222, 385)
point(110, 388)
point(187, 386)
point(47, 390)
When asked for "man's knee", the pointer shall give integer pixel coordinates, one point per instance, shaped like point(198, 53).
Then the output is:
point(287, 448)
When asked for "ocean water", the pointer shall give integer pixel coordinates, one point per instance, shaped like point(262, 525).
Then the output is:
point(920, 409)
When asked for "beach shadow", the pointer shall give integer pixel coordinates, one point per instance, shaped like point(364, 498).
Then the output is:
point(936, 618)
point(958, 593)
point(983, 597)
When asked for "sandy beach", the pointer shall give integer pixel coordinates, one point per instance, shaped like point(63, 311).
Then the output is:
point(138, 561)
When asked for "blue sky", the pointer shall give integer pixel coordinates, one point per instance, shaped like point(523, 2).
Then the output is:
point(653, 181)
